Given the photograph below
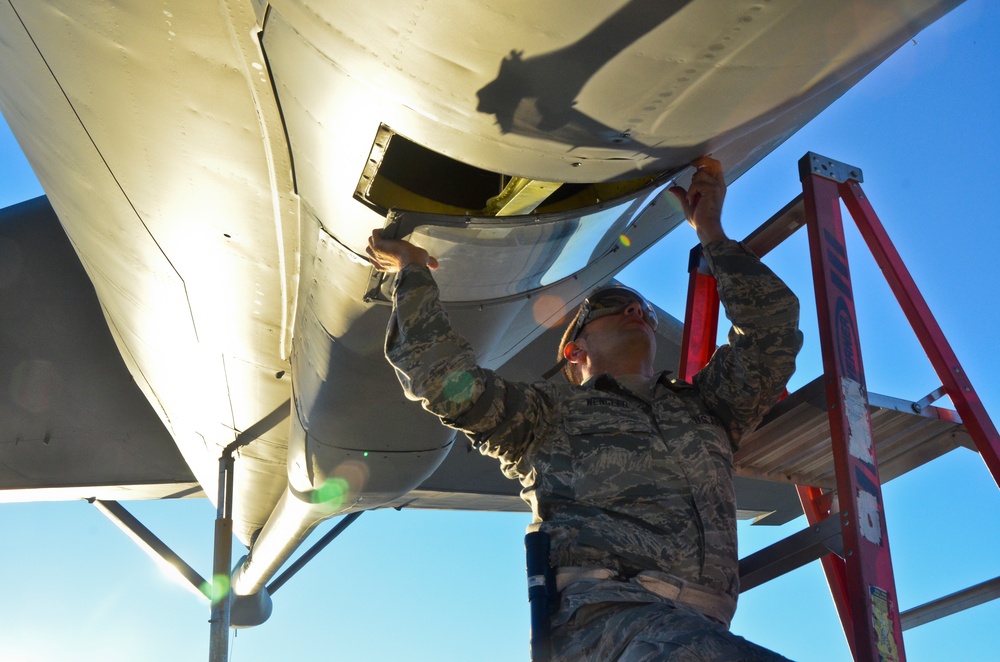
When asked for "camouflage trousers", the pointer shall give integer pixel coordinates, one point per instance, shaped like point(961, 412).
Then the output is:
point(631, 630)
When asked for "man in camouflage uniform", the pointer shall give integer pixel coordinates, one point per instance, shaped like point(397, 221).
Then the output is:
point(629, 472)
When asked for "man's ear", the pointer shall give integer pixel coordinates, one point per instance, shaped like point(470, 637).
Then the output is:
point(574, 352)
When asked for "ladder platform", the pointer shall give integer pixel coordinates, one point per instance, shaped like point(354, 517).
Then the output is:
point(793, 445)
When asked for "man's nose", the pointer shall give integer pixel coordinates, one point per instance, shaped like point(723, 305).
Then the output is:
point(633, 309)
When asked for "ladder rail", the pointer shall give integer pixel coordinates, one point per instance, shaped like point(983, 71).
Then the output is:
point(874, 610)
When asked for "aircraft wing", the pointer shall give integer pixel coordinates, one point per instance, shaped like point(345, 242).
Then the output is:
point(75, 424)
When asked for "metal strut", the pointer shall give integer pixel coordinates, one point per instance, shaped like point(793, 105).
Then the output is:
point(220, 592)
point(220, 589)
point(327, 538)
point(149, 543)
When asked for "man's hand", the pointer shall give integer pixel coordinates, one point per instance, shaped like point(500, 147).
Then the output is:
point(391, 255)
point(702, 201)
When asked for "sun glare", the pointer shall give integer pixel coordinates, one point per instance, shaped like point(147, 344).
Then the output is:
point(217, 589)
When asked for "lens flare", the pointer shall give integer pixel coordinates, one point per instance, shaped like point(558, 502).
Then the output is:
point(354, 473)
point(458, 386)
point(217, 589)
point(332, 493)
point(624, 241)
point(549, 309)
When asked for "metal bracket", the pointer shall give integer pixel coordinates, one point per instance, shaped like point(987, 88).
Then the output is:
point(793, 552)
point(816, 164)
point(929, 399)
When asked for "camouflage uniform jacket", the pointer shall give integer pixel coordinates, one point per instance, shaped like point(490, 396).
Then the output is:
point(618, 481)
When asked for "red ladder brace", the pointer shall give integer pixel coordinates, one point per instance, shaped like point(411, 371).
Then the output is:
point(862, 582)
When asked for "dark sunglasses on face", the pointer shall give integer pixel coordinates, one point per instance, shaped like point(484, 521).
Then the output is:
point(612, 301)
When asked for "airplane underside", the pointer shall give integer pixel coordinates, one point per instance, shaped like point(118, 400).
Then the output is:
point(218, 167)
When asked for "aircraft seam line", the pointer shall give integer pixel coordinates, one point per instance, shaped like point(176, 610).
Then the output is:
point(107, 166)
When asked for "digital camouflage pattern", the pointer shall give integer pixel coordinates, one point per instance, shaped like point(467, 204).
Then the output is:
point(618, 481)
point(643, 631)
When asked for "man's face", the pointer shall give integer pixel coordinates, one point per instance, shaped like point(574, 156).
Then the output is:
point(613, 301)
point(621, 333)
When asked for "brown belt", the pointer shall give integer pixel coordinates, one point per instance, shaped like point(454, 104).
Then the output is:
point(716, 606)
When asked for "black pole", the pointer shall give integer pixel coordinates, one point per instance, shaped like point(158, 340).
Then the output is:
point(279, 581)
point(541, 593)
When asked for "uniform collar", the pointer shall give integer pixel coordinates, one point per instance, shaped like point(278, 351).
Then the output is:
point(605, 382)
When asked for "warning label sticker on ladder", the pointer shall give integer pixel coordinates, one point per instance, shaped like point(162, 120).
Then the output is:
point(885, 642)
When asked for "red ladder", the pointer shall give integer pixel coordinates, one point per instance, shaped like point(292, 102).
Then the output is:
point(861, 580)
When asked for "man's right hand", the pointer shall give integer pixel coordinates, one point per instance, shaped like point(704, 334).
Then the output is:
point(702, 201)
point(391, 255)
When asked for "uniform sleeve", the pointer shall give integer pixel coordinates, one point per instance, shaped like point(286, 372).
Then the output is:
point(438, 368)
point(746, 377)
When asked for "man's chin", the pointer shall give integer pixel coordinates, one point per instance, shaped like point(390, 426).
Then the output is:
point(643, 341)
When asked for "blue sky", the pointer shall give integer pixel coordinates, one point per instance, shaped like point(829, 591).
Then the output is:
point(429, 586)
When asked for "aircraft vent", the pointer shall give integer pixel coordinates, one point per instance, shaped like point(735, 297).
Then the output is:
point(402, 174)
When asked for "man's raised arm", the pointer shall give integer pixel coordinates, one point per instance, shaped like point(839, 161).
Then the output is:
point(438, 368)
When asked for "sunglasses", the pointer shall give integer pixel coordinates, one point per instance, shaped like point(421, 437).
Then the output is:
point(612, 301)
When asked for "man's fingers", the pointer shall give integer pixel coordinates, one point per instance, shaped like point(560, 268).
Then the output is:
point(701, 202)
point(376, 240)
point(707, 178)
point(682, 197)
point(708, 165)
point(374, 259)
point(708, 174)
point(707, 181)
point(391, 255)
point(377, 255)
